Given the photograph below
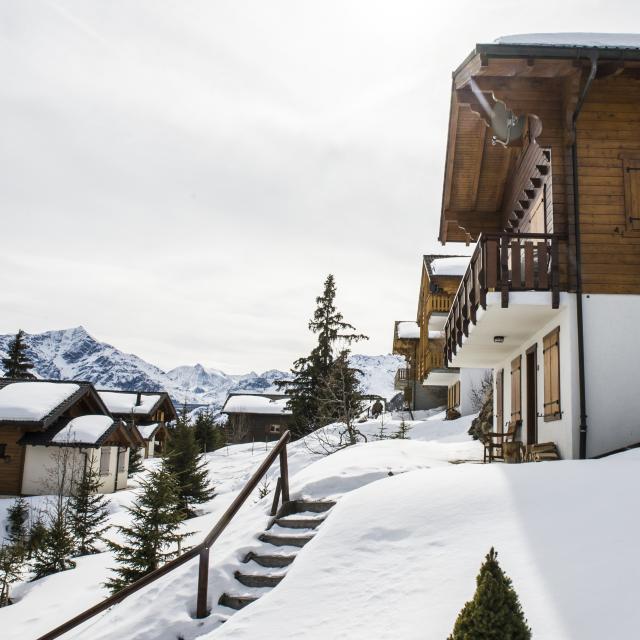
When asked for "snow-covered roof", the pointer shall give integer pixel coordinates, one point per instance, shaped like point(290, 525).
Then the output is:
point(84, 430)
point(33, 401)
point(408, 330)
point(578, 39)
point(254, 403)
point(118, 402)
point(454, 266)
point(436, 335)
point(147, 430)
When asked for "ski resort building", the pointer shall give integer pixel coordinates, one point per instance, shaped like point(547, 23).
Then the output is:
point(542, 173)
point(146, 412)
point(259, 417)
point(51, 427)
point(427, 381)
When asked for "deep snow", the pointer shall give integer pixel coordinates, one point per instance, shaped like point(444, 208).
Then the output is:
point(398, 555)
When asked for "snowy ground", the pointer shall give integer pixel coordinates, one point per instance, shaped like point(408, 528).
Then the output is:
point(398, 554)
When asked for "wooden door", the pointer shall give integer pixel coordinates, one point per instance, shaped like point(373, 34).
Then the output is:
point(532, 395)
point(500, 401)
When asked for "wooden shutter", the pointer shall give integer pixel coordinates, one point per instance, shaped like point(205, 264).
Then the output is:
point(500, 400)
point(516, 389)
point(631, 170)
point(551, 350)
point(105, 460)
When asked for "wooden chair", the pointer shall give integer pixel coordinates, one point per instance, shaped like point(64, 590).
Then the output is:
point(495, 450)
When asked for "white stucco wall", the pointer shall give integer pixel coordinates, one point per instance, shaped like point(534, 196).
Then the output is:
point(612, 371)
point(563, 432)
point(40, 461)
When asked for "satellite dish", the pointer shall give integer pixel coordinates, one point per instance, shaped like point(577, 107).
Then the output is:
point(505, 125)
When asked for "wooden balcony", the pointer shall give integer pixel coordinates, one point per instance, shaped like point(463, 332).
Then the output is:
point(403, 379)
point(503, 263)
point(438, 303)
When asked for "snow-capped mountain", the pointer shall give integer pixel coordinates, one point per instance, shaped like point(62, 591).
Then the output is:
point(74, 354)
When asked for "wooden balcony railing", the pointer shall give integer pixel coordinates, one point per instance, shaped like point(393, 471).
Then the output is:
point(503, 262)
point(403, 378)
point(438, 303)
point(201, 550)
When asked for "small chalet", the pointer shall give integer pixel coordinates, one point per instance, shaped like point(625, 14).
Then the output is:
point(542, 172)
point(259, 417)
point(146, 414)
point(426, 380)
point(38, 418)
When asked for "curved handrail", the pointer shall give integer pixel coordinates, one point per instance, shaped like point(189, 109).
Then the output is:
point(201, 549)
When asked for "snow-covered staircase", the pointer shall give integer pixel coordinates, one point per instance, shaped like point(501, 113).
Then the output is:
point(293, 526)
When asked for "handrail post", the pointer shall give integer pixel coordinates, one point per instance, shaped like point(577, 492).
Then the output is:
point(276, 497)
point(284, 474)
point(203, 584)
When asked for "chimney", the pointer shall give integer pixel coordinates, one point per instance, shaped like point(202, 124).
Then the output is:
point(138, 399)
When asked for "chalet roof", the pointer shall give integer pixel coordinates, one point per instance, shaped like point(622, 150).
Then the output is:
point(141, 403)
point(147, 431)
point(267, 404)
point(83, 431)
point(524, 73)
point(39, 403)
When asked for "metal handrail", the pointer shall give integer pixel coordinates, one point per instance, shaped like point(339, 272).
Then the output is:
point(201, 549)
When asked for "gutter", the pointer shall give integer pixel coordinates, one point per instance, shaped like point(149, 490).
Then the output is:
point(593, 57)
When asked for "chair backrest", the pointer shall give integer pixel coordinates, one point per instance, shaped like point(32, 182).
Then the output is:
point(511, 431)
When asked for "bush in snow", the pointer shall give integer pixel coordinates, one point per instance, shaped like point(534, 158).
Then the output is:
point(88, 512)
point(184, 461)
point(11, 568)
point(495, 612)
point(57, 547)
point(17, 516)
point(153, 537)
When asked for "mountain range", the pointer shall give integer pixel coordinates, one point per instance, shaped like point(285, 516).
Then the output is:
point(73, 354)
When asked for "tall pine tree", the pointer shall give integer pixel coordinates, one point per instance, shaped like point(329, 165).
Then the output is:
point(208, 436)
point(88, 512)
point(16, 364)
point(184, 461)
point(495, 612)
point(56, 549)
point(310, 373)
point(135, 461)
point(17, 517)
point(153, 537)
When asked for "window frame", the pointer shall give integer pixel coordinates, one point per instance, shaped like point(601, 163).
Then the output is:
point(105, 453)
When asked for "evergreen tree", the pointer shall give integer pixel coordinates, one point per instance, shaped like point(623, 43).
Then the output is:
point(184, 461)
point(311, 372)
point(56, 549)
point(17, 517)
point(16, 364)
point(495, 612)
point(11, 569)
point(208, 436)
point(153, 537)
point(135, 461)
point(88, 512)
point(37, 533)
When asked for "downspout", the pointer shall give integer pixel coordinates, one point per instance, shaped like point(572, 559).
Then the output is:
point(414, 367)
point(593, 57)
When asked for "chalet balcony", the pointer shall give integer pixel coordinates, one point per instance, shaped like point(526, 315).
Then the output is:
point(511, 288)
point(403, 379)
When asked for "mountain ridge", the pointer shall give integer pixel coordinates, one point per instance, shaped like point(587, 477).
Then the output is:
point(74, 354)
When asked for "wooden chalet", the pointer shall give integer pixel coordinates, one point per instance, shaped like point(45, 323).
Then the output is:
point(542, 173)
point(39, 417)
point(146, 414)
point(256, 417)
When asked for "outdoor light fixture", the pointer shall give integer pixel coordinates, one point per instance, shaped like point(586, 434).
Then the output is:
point(498, 339)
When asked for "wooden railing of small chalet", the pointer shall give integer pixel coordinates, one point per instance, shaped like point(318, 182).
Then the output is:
point(200, 550)
point(403, 378)
point(503, 262)
point(438, 303)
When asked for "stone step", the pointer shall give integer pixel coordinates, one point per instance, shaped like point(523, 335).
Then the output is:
point(236, 602)
point(269, 560)
point(317, 506)
point(283, 540)
point(298, 523)
point(256, 580)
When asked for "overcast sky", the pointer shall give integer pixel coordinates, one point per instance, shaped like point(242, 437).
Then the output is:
point(179, 177)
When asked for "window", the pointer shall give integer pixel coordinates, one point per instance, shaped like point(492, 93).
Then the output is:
point(500, 400)
point(274, 428)
point(631, 171)
point(551, 351)
point(516, 390)
point(105, 460)
point(3, 450)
